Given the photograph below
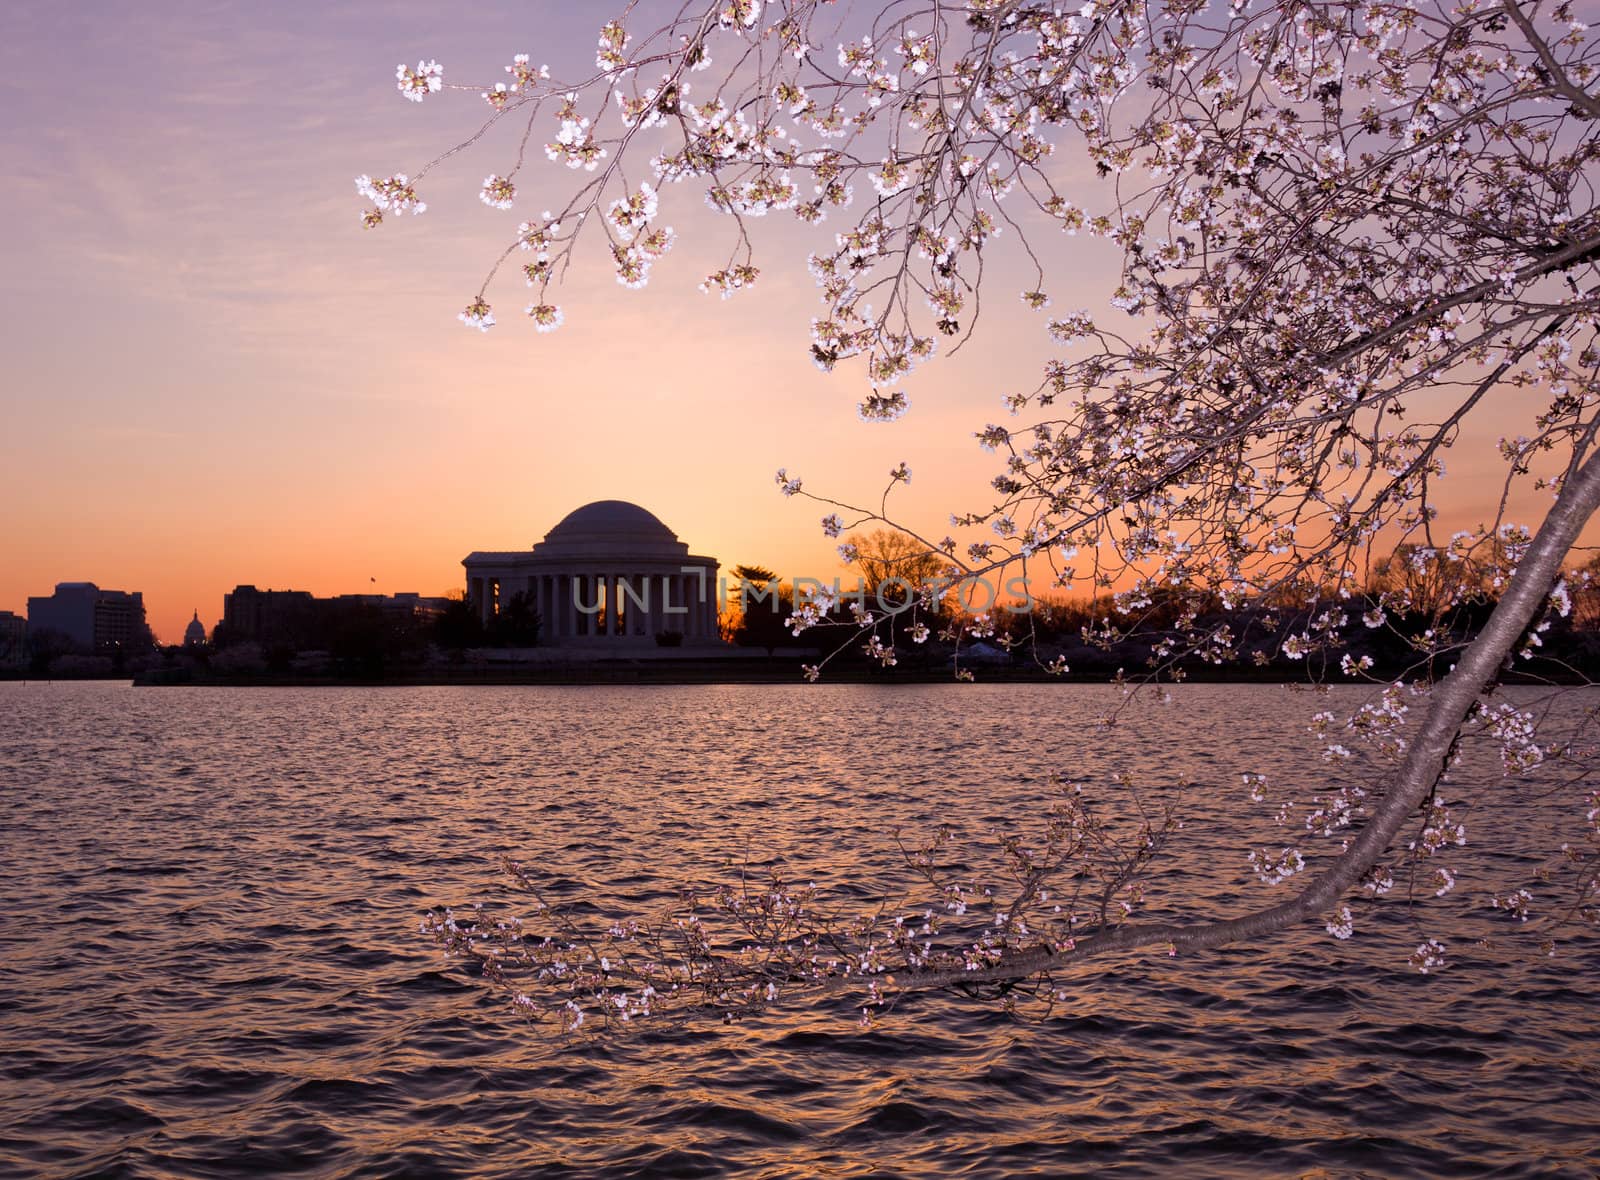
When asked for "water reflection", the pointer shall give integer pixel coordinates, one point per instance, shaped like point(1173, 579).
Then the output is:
point(208, 963)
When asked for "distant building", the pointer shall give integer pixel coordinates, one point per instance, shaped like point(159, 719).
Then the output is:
point(403, 604)
point(103, 622)
point(266, 616)
point(610, 574)
point(300, 621)
point(13, 637)
point(194, 635)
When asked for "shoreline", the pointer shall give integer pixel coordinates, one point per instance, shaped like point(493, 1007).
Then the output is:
point(650, 674)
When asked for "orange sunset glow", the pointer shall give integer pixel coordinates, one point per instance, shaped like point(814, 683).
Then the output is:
point(214, 376)
point(800, 588)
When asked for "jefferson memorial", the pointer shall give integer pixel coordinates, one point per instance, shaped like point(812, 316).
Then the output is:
point(609, 575)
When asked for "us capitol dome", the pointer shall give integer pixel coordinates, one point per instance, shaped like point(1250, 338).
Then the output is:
point(194, 635)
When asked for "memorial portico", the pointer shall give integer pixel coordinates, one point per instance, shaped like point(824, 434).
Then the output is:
point(610, 574)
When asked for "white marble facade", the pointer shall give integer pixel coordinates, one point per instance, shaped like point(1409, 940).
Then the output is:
point(609, 574)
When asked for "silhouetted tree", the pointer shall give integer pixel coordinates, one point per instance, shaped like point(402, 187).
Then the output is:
point(516, 624)
point(757, 608)
point(45, 646)
point(893, 565)
point(459, 626)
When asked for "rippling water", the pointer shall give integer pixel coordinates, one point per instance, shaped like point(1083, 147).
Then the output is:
point(209, 965)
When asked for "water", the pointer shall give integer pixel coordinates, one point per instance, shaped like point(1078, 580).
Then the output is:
point(209, 963)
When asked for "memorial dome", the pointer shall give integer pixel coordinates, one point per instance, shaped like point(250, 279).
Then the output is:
point(609, 518)
point(608, 573)
point(613, 527)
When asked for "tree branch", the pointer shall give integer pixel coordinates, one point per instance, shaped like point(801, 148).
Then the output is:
point(1589, 105)
point(1452, 701)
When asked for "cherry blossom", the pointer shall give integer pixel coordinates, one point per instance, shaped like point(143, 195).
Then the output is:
point(1337, 236)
